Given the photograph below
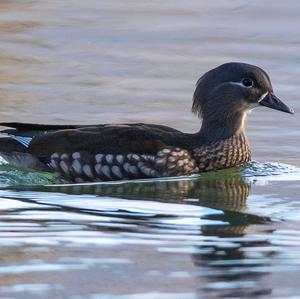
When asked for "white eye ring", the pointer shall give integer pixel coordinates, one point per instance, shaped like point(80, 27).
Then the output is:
point(242, 83)
point(248, 83)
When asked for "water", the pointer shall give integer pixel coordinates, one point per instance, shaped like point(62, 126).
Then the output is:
point(230, 234)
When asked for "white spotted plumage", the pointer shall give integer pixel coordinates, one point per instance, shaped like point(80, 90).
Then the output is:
point(98, 169)
point(82, 166)
point(76, 155)
point(135, 157)
point(133, 170)
point(76, 166)
point(116, 171)
point(126, 167)
point(88, 171)
point(109, 158)
point(64, 156)
point(98, 158)
point(54, 156)
point(120, 159)
point(63, 165)
point(106, 171)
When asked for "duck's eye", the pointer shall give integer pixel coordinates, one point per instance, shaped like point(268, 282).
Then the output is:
point(247, 82)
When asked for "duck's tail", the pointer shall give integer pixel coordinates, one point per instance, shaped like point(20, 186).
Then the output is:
point(12, 144)
point(14, 150)
point(23, 160)
point(15, 141)
point(28, 129)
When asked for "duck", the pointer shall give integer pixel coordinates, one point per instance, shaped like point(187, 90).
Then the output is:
point(223, 98)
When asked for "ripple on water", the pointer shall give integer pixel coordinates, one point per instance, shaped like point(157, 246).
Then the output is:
point(253, 171)
point(219, 230)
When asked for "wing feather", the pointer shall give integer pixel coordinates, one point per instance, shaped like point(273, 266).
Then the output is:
point(138, 138)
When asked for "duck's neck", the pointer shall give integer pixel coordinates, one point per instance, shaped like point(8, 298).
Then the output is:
point(222, 127)
point(223, 143)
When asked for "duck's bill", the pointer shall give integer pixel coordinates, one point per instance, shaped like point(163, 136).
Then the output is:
point(271, 101)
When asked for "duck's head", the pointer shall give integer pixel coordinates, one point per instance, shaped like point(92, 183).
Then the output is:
point(231, 90)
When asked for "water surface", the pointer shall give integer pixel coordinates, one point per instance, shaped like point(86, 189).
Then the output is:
point(231, 234)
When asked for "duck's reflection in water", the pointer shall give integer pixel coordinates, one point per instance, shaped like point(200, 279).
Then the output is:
point(229, 271)
point(223, 192)
point(232, 260)
point(223, 261)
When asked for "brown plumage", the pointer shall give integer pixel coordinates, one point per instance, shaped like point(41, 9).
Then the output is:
point(223, 97)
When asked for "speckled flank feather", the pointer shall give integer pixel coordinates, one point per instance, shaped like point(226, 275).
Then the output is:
point(223, 154)
point(172, 161)
point(85, 167)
